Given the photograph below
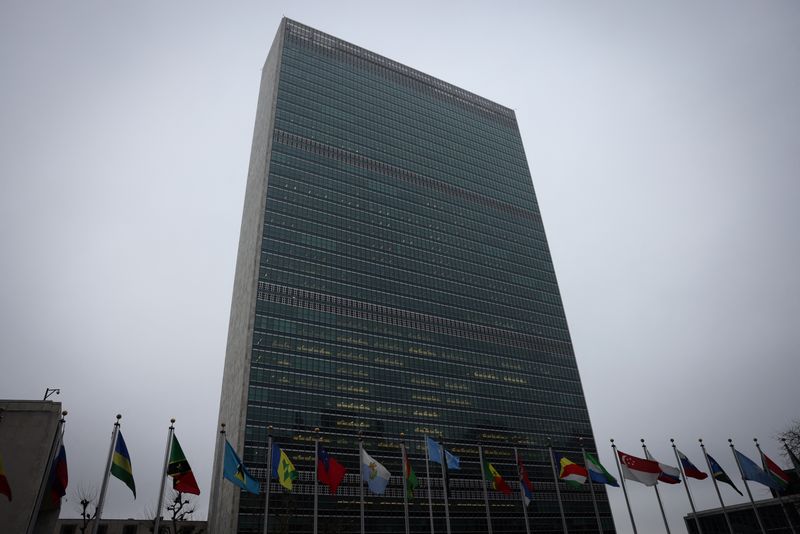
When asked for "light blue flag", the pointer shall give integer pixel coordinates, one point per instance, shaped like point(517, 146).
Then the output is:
point(435, 454)
point(751, 471)
point(235, 471)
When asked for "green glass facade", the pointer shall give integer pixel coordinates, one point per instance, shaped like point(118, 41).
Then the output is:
point(404, 285)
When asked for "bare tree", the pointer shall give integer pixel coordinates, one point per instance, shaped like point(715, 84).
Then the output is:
point(791, 435)
point(87, 505)
point(180, 507)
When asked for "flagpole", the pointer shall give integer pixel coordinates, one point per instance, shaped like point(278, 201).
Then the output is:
point(316, 475)
point(428, 471)
point(558, 490)
point(361, 475)
point(405, 480)
point(624, 489)
point(522, 492)
point(741, 472)
point(686, 485)
point(269, 478)
point(714, 480)
point(445, 484)
point(775, 492)
point(58, 439)
point(591, 488)
point(216, 472)
point(485, 491)
point(655, 487)
point(98, 511)
point(170, 433)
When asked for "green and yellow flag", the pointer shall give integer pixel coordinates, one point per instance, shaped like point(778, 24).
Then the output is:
point(282, 467)
point(121, 464)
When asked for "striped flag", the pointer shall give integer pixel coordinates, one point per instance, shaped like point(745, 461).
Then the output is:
point(527, 487)
point(598, 473)
point(689, 468)
point(121, 464)
point(498, 484)
point(573, 474)
point(774, 470)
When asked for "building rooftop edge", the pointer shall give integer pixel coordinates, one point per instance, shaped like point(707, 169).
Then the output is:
point(438, 83)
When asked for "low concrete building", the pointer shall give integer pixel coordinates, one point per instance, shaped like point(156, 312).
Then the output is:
point(27, 439)
point(776, 514)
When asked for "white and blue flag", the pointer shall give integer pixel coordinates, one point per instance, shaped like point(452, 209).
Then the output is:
point(373, 473)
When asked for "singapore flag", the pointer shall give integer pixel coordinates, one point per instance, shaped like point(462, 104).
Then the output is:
point(638, 469)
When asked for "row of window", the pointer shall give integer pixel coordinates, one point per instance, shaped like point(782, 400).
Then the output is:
point(402, 87)
point(289, 324)
point(364, 143)
point(526, 236)
point(401, 158)
point(352, 209)
point(433, 360)
point(325, 100)
point(347, 54)
point(453, 323)
point(348, 271)
point(406, 400)
point(544, 350)
point(304, 421)
point(293, 204)
point(408, 202)
point(319, 236)
point(313, 80)
point(451, 298)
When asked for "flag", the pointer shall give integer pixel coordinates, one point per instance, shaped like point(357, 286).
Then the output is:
point(5, 488)
point(283, 468)
point(435, 454)
point(527, 487)
point(795, 460)
point(498, 484)
point(234, 470)
point(374, 474)
point(638, 469)
point(598, 473)
point(59, 477)
point(689, 469)
point(411, 480)
point(719, 473)
point(121, 464)
point(751, 471)
point(669, 474)
point(178, 468)
point(775, 472)
point(573, 474)
point(329, 471)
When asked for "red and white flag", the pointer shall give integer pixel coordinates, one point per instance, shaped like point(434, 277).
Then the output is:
point(638, 469)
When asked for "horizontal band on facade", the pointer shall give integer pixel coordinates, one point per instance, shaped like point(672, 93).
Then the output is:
point(358, 160)
point(269, 292)
point(305, 35)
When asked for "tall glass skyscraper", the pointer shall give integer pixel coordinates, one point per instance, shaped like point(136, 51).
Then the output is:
point(393, 276)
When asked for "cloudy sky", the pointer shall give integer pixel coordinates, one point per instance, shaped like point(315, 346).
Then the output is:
point(664, 142)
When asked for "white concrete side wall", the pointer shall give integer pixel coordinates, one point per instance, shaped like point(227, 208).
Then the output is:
point(224, 505)
point(27, 432)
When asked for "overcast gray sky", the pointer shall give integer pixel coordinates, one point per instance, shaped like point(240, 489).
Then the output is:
point(664, 143)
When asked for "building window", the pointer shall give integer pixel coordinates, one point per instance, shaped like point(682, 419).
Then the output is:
point(129, 529)
point(68, 529)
